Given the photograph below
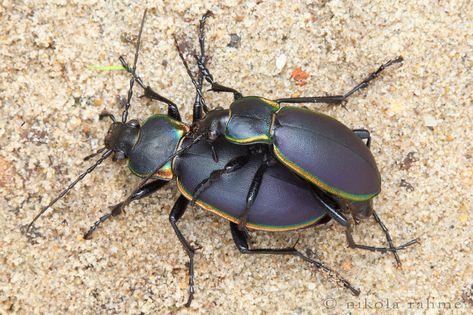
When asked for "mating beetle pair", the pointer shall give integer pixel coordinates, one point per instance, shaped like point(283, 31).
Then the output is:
point(258, 165)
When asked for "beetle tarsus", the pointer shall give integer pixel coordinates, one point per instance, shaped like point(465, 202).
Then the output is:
point(177, 212)
point(241, 242)
point(352, 244)
point(388, 238)
point(93, 228)
point(373, 76)
point(340, 99)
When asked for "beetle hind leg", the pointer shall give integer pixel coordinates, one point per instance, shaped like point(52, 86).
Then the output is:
point(352, 244)
point(241, 241)
point(388, 237)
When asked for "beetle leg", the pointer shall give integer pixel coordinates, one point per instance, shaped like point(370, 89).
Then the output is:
point(201, 60)
point(388, 237)
point(216, 87)
point(252, 194)
point(106, 113)
point(133, 70)
point(232, 166)
point(241, 242)
point(173, 111)
point(339, 99)
point(176, 213)
point(363, 134)
point(352, 244)
point(333, 210)
point(144, 191)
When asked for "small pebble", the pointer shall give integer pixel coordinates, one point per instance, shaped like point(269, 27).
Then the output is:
point(430, 121)
point(280, 62)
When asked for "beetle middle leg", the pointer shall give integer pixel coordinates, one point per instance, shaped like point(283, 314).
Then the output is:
point(253, 193)
point(241, 241)
point(176, 213)
point(339, 99)
point(144, 191)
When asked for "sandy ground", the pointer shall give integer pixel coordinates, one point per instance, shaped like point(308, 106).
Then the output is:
point(420, 116)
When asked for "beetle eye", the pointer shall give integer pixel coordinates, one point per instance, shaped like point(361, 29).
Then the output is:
point(134, 123)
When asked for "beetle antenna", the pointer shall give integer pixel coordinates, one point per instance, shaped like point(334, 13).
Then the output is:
point(147, 178)
point(65, 191)
point(88, 157)
point(135, 61)
point(189, 72)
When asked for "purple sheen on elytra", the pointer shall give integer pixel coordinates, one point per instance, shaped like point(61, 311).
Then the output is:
point(284, 201)
point(328, 153)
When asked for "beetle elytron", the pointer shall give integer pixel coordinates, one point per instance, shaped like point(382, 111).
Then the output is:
point(231, 162)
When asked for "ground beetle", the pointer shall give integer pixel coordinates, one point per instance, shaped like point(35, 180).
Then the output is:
point(315, 146)
point(163, 148)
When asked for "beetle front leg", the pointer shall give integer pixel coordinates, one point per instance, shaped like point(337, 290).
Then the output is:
point(216, 87)
point(339, 99)
point(144, 191)
point(173, 111)
point(204, 71)
point(176, 213)
point(241, 241)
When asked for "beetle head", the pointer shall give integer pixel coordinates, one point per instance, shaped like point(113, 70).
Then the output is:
point(121, 137)
point(212, 125)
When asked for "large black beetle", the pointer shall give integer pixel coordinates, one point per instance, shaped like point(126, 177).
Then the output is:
point(315, 146)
